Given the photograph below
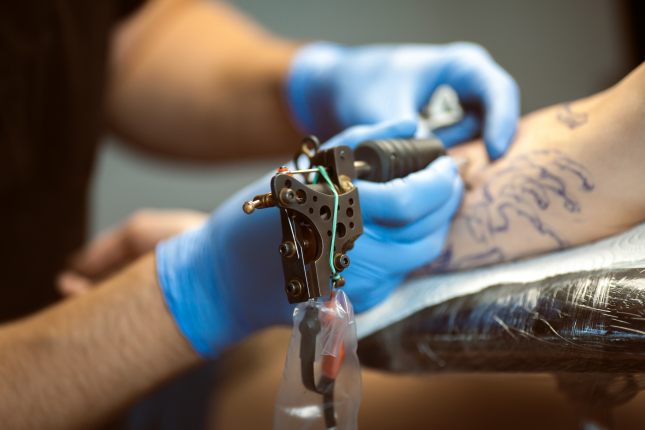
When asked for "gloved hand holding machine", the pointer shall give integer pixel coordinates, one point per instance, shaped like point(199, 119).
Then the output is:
point(321, 219)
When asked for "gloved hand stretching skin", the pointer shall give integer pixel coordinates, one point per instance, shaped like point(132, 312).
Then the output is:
point(331, 87)
point(224, 280)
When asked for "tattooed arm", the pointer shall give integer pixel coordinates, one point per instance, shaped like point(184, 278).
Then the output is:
point(575, 173)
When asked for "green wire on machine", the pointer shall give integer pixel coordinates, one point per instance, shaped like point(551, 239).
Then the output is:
point(324, 174)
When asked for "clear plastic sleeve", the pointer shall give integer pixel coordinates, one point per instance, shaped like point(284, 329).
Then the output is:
point(332, 367)
point(591, 321)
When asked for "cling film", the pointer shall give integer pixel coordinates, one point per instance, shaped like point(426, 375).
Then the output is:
point(587, 328)
point(588, 321)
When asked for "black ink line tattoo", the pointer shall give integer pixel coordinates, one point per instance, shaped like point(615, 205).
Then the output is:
point(531, 184)
point(570, 118)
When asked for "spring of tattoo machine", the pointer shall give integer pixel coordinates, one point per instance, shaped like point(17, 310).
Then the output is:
point(321, 220)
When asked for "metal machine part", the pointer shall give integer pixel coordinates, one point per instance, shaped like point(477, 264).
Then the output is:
point(321, 220)
point(307, 206)
point(307, 217)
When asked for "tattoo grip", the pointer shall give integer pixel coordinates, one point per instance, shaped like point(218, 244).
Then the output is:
point(384, 160)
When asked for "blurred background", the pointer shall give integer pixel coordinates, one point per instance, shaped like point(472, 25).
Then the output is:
point(556, 50)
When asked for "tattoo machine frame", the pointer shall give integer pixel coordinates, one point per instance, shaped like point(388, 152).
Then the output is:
point(321, 220)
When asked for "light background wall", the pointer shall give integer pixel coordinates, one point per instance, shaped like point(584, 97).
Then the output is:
point(556, 49)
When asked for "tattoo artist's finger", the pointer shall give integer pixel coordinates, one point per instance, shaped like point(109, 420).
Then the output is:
point(406, 200)
point(71, 284)
point(425, 226)
point(464, 130)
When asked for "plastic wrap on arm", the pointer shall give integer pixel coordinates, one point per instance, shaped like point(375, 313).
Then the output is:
point(588, 321)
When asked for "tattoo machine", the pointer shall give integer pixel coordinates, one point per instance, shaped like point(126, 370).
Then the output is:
point(321, 219)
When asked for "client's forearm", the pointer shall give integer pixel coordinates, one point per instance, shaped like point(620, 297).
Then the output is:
point(573, 175)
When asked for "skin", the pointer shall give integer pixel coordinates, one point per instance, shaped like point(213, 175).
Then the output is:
point(606, 189)
point(179, 86)
point(49, 377)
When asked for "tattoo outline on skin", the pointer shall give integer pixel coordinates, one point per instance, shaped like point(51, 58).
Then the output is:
point(528, 186)
point(570, 118)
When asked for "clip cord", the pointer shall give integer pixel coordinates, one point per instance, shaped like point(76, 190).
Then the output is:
point(309, 329)
point(323, 173)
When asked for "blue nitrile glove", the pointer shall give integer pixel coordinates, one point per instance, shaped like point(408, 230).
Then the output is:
point(224, 280)
point(332, 87)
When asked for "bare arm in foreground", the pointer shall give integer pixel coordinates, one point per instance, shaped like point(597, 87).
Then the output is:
point(74, 364)
point(199, 80)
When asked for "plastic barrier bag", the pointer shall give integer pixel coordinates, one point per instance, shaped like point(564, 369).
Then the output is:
point(321, 382)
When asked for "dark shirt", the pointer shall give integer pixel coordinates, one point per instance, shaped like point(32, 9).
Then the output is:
point(53, 57)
